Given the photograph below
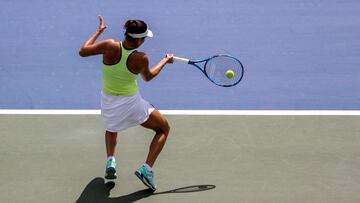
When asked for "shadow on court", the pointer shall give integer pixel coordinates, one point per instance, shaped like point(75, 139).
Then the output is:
point(97, 191)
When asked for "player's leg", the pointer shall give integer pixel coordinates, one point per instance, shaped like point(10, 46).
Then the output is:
point(110, 142)
point(161, 127)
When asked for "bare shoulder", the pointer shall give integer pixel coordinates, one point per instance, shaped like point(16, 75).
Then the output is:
point(138, 61)
point(111, 43)
point(141, 57)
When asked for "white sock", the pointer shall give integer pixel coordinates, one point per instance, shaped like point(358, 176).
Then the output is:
point(110, 157)
point(148, 167)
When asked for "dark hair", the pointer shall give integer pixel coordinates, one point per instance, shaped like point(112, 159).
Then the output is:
point(134, 27)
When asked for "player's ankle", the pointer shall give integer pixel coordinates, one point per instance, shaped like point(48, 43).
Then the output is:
point(148, 168)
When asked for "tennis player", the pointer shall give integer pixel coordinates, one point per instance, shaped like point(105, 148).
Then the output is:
point(122, 106)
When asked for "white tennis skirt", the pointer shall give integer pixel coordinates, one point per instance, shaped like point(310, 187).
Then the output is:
point(122, 112)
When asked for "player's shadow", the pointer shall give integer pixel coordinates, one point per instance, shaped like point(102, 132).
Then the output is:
point(97, 191)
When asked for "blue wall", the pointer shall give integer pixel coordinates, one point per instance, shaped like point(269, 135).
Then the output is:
point(302, 54)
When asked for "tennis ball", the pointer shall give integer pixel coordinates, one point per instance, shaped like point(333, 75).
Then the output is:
point(229, 74)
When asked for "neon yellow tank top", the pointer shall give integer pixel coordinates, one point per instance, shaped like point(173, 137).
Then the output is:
point(117, 80)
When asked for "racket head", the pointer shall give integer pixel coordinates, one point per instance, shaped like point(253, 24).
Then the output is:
point(215, 69)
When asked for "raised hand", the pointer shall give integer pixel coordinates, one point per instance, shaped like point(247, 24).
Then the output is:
point(102, 26)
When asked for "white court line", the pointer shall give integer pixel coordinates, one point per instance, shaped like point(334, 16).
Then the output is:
point(194, 112)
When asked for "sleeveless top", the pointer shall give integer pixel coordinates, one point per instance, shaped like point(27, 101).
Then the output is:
point(117, 79)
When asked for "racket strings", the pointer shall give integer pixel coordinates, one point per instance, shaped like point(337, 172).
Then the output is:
point(217, 67)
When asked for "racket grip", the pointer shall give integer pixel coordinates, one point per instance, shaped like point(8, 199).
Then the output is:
point(181, 60)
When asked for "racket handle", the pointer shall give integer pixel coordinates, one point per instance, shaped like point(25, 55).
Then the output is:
point(181, 60)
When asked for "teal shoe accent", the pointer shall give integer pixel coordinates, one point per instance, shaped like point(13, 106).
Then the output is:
point(110, 172)
point(147, 177)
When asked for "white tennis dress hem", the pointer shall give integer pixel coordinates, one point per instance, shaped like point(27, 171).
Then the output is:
point(122, 112)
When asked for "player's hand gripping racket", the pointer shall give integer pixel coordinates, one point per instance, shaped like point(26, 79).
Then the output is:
point(223, 70)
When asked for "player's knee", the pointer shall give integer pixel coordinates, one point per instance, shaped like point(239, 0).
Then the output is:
point(166, 128)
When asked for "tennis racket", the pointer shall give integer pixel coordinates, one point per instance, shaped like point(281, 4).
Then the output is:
point(222, 70)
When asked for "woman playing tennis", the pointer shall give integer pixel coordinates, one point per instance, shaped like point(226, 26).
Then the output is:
point(122, 106)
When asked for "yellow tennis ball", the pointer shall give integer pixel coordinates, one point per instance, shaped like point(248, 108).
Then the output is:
point(229, 74)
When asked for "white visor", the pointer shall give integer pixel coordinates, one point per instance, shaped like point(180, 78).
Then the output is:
point(147, 33)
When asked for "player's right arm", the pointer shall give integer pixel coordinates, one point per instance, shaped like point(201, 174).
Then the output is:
point(90, 48)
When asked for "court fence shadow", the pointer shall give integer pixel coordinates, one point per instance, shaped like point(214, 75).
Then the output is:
point(97, 191)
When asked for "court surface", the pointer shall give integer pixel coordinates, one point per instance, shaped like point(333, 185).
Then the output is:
point(60, 158)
